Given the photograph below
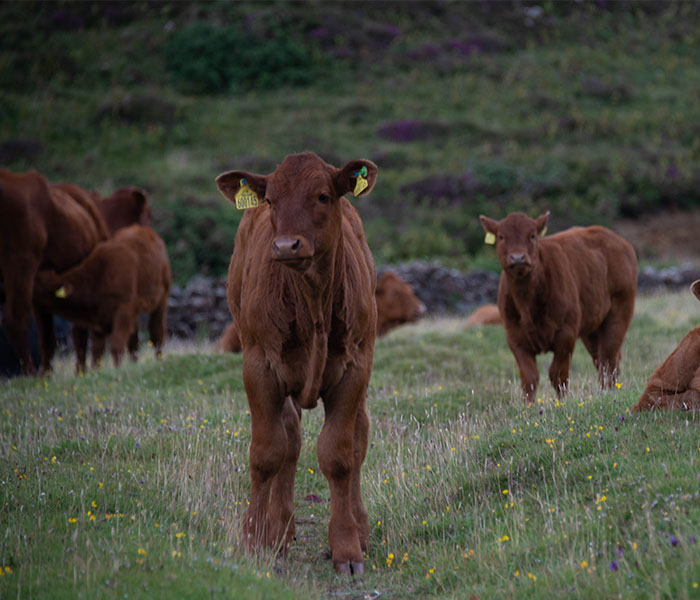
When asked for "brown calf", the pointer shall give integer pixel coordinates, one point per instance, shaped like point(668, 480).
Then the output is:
point(675, 383)
point(126, 206)
point(40, 227)
point(121, 278)
point(397, 303)
point(229, 341)
point(484, 315)
point(301, 290)
point(578, 283)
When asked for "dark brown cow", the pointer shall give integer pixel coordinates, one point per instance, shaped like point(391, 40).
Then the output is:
point(578, 283)
point(40, 227)
point(121, 278)
point(675, 383)
point(301, 289)
point(229, 341)
point(397, 303)
point(126, 206)
point(484, 315)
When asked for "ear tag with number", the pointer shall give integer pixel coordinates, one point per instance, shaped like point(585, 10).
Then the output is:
point(61, 292)
point(361, 183)
point(245, 197)
point(490, 238)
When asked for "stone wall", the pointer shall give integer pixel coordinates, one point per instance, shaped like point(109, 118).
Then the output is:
point(199, 309)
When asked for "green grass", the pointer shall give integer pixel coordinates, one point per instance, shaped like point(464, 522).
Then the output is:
point(133, 481)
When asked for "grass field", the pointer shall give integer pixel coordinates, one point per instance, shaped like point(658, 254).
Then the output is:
point(132, 482)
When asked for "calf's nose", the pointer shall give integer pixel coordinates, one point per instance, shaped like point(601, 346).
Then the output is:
point(286, 247)
point(517, 259)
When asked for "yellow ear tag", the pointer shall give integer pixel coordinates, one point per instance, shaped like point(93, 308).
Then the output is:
point(490, 238)
point(61, 292)
point(543, 232)
point(245, 197)
point(360, 185)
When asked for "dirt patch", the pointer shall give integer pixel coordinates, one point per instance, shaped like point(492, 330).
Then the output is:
point(669, 236)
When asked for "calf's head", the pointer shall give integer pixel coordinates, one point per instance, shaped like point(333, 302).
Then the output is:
point(303, 199)
point(516, 238)
point(126, 206)
point(397, 303)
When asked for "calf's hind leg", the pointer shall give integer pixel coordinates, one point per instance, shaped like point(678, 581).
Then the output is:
point(610, 336)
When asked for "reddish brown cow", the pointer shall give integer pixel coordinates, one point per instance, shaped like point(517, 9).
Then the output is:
point(121, 278)
point(39, 228)
point(301, 289)
point(484, 315)
point(229, 341)
point(578, 283)
point(126, 206)
point(397, 303)
point(675, 383)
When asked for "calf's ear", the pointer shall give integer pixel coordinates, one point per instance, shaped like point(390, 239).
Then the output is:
point(489, 225)
point(695, 288)
point(358, 177)
point(541, 223)
point(230, 182)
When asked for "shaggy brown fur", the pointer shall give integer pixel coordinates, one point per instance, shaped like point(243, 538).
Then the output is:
point(484, 315)
point(121, 278)
point(578, 283)
point(301, 290)
point(40, 227)
point(675, 383)
point(397, 303)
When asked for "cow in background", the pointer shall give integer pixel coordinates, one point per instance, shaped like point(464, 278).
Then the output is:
point(229, 341)
point(675, 383)
point(126, 206)
point(581, 282)
point(40, 227)
point(397, 303)
point(120, 279)
point(484, 315)
point(301, 290)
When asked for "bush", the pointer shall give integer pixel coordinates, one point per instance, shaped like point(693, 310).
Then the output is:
point(206, 59)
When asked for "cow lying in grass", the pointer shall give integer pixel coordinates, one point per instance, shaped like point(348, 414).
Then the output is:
point(397, 303)
point(301, 290)
point(122, 278)
point(675, 383)
point(581, 282)
point(229, 341)
point(484, 315)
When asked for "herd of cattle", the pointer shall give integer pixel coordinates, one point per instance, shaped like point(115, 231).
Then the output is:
point(306, 308)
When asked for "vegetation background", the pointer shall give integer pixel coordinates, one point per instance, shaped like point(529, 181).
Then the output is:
point(587, 109)
point(133, 482)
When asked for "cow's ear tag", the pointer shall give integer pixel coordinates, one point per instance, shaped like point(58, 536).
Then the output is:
point(361, 183)
point(245, 197)
point(490, 238)
point(61, 292)
point(543, 232)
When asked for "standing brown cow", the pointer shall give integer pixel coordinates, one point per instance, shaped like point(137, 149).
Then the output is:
point(301, 290)
point(397, 303)
point(675, 383)
point(40, 227)
point(578, 283)
point(120, 279)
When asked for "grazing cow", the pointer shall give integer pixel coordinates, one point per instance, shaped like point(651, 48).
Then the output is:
point(121, 278)
point(484, 315)
point(397, 303)
point(578, 283)
point(126, 206)
point(675, 383)
point(229, 341)
point(40, 227)
point(301, 290)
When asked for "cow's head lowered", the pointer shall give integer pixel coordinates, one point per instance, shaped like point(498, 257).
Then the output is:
point(516, 238)
point(303, 194)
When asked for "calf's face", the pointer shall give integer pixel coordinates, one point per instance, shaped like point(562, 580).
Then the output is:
point(516, 238)
point(397, 303)
point(303, 197)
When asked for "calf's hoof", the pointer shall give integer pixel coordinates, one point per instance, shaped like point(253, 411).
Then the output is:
point(350, 568)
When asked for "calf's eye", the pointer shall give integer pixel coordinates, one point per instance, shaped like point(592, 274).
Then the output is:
point(324, 198)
